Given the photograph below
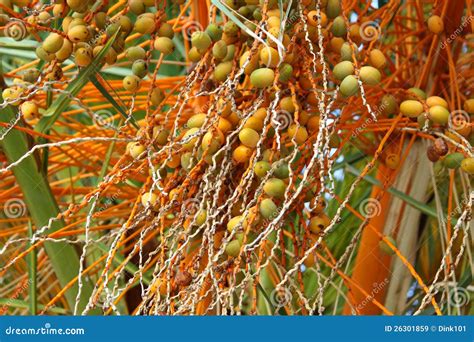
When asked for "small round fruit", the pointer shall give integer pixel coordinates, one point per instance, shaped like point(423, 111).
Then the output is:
point(222, 71)
point(53, 43)
point(65, 51)
point(435, 24)
point(189, 144)
point(135, 52)
point(201, 40)
point(349, 86)
point(416, 93)
point(78, 33)
point(254, 123)
point(135, 149)
point(300, 134)
point(411, 108)
point(262, 78)
point(219, 50)
point(317, 207)
point(439, 114)
point(274, 187)
point(145, 24)
point(196, 121)
point(388, 105)
point(212, 141)
point(164, 45)
point(166, 30)
point(343, 69)
point(233, 248)
point(214, 31)
point(261, 168)
point(12, 95)
point(469, 106)
point(370, 75)
point(333, 8)
point(286, 104)
point(242, 154)
point(286, 72)
point(268, 208)
point(269, 57)
point(29, 109)
point(149, 199)
point(377, 59)
point(317, 224)
point(83, 57)
point(282, 171)
point(236, 221)
point(467, 165)
point(139, 68)
point(131, 83)
point(249, 137)
point(392, 160)
point(194, 55)
point(436, 101)
point(338, 28)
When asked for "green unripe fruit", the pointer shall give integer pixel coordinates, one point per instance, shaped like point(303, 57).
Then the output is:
point(222, 71)
point(346, 52)
point(164, 45)
point(286, 72)
point(166, 30)
point(136, 6)
point(268, 208)
point(282, 171)
point(231, 29)
point(257, 14)
point(78, 33)
point(262, 78)
point(214, 31)
point(233, 248)
point(439, 114)
point(219, 50)
point(131, 83)
point(370, 75)
point(388, 105)
point(196, 120)
point(349, 86)
point(65, 51)
point(53, 43)
point(194, 55)
point(338, 28)
point(230, 53)
point(411, 108)
point(333, 8)
point(274, 187)
point(261, 168)
point(190, 144)
point(160, 135)
point(201, 40)
point(235, 222)
point(126, 25)
point(467, 165)
point(43, 55)
point(31, 75)
point(453, 160)
point(343, 69)
point(385, 248)
point(83, 56)
point(139, 68)
point(77, 5)
point(416, 93)
point(145, 24)
point(186, 161)
point(249, 137)
point(135, 52)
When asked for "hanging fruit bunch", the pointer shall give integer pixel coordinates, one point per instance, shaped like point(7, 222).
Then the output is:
point(209, 140)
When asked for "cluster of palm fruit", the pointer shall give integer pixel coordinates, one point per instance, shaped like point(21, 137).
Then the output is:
point(264, 105)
